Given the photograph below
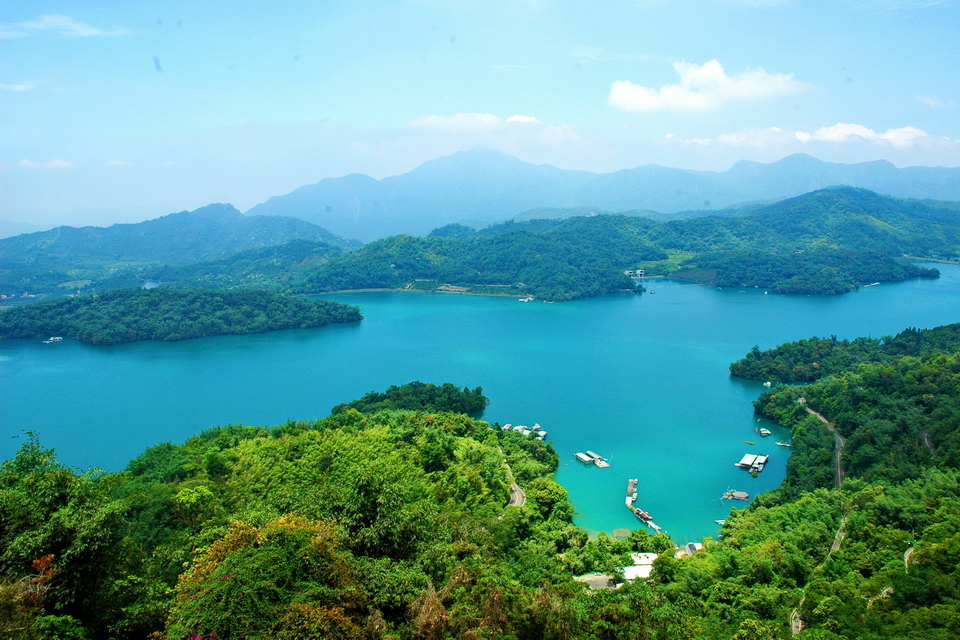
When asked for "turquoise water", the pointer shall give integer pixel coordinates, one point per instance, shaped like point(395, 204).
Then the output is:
point(642, 380)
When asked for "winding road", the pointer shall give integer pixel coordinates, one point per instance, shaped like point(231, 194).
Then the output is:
point(841, 442)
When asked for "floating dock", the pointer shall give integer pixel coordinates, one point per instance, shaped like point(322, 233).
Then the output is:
point(754, 463)
point(583, 458)
point(598, 459)
point(642, 515)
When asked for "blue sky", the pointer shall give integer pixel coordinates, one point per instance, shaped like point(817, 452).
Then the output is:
point(117, 113)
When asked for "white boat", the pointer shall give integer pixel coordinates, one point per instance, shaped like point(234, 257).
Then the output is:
point(768, 384)
point(763, 431)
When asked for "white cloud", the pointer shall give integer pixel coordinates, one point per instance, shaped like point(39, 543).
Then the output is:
point(520, 118)
point(842, 132)
point(20, 86)
point(459, 122)
point(56, 163)
point(63, 25)
point(703, 142)
point(934, 102)
point(756, 138)
point(489, 127)
point(703, 87)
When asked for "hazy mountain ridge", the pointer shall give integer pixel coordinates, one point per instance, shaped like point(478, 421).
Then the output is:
point(115, 256)
point(482, 186)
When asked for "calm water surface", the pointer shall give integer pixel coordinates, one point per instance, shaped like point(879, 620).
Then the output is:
point(642, 380)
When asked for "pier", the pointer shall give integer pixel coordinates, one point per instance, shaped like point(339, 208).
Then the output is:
point(642, 515)
point(591, 457)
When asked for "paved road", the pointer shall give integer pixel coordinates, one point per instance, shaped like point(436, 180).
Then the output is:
point(841, 442)
point(517, 497)
point(925, 434)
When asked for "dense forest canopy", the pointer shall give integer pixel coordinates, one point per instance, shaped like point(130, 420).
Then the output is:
point(419, 396)
point(813, 358)
point(129, 315)
point(397, 523)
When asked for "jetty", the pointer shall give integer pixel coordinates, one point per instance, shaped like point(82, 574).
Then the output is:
point(754, 463)
point(642, 515)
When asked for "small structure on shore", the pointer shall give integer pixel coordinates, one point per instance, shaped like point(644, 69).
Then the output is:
point(536, 430)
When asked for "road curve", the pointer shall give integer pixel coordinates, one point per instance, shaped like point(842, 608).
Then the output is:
point(517, 497)
point(841, 442)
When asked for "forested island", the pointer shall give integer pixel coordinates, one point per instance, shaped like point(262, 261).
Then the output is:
point(396, 523)
point(130, 315)
point(826, 242)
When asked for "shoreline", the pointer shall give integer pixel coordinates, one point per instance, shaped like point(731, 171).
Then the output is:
point(382, 290)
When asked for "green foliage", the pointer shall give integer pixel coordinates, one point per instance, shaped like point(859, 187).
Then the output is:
point(387, 522)
point(810, 359)
point(129, 315)
point(419, 396)
point(553, 260)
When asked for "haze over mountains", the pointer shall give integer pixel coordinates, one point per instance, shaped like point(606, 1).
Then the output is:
point(482, 186)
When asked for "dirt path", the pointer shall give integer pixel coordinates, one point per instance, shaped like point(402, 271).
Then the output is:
point(906, 558)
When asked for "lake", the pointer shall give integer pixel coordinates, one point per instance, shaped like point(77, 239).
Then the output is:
point(642, 380)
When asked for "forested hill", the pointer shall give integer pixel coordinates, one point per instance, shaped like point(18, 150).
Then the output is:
point(826, 242)
point(67, 258)
point(130, 315)
point(553, 260)
point(813, 358)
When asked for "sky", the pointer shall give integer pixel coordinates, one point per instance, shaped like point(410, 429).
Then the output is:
point(118, 112)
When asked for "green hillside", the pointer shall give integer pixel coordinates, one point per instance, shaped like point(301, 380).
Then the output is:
point(65, 259)
point(400, 524)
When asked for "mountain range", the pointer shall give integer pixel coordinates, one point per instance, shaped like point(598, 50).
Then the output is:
point(481, 186)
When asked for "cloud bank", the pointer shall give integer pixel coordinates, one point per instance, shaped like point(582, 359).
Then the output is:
point(703, 87)
point(61, 24)
point(56, 163)
point(840, 133)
